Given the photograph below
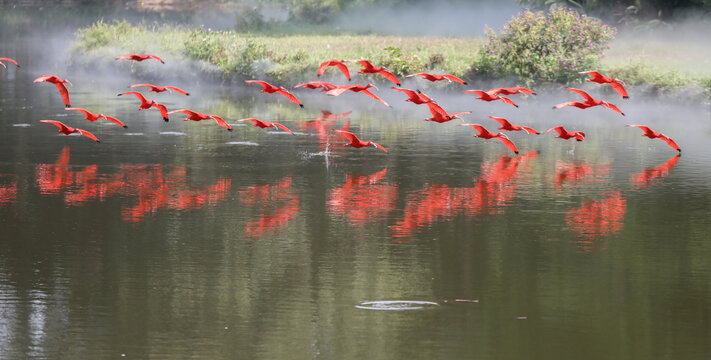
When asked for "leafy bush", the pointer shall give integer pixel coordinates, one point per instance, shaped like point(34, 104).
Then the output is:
point(401, 64)
point(551, 47)
point(100, 34)
point(315, 11)
point(222, 49)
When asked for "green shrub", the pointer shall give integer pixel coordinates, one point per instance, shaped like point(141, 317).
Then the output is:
point(100, 34)
point(226, 50)
point(538, 47)
point(314, 11)
point(401, 64)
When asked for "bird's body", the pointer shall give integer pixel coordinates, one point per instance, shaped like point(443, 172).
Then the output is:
point(357, 88)
point(369, 68)
point(484, 133)
point(158, 89)
point(565, 134)
point(440, 115)
point(60, 85)
point(599, 78)
point(145, 104)
point(266, 124)
point(323, 85)
point(270, 89)
point(356, 142)
point(340, 64)
point(508, 126)
point(438, 77)
point(8, 60)
point(589, 102)
point(93, 116)
point(139, 57)
point(657, 135)
point(64, 129)
point(490, 96)
point(511, 90)
point(414, 96)
point(198, 116)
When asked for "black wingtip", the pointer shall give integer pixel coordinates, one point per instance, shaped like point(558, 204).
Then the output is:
point(229, 129)
point(67, 106)
point(465, 83)
point(119, 94)
point(166, 119)
point(98, 141)
point(554, 108)
point(623, 114)
point(125, 126)
point(398, 84)
point(301, 105)
point(516, 105)
point(625, 97)
point(187, 94)
point(533, 93)
point(516, 152)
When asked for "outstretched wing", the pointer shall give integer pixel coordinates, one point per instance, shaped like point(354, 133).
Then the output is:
point(155, 57)
point(338, 90)
point(567, 103)
point(264, 84)
point(612, 106)
point(370, 93)
point(478, 92)
point(324, 65)
point(509, 144)
point(163, 110)
point(507, 100)
point(349, 135)
point(529, 130)
point(423, 74)
point(220, 121)
point(480, 128)
point(150, 86)
point(503, 121)
point(65, 93)
point(290, 96)
point(582, 93)
point(558, 128)
point(579, 135)
point(114, 120)
point(670, 142)
point(390, 76)
point(138, 95)
point(125, 56)
point(595, 75)
point(647, 130)
point(9, 60)
point(86, 112)
point(88, 134)
point(620, 89)
point(409, 92)
point(283, 127)
point(62, 127)
point(344, 70)
point(378, 146)
point(435, 109)
point(177, 89)
point(454, 78)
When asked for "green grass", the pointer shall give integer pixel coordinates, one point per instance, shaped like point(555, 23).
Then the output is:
point(293, 58)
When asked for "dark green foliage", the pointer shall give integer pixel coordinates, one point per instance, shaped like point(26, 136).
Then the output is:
point(544, 47)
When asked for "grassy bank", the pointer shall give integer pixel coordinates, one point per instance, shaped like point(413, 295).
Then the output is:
point(228, 55)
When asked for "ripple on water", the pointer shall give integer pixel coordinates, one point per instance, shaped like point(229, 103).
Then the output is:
point(21, 125)
point(397, 305)
point(176, 133)
point(246, 143)
point(134, 134)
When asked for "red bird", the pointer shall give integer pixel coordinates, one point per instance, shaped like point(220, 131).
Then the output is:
point(369, 68)
point(490, 96)
point(565, 134)
point(158, 89)
point(511, 90)
point(356, 142)
point(8, 60)
point(440, 115)
point(484, 133)
point(508, 126)
point(416, 97)
point(64, 129)
point(337, 63)
point(139, 57)
point(270, 89)
point(357, 88)
point(145, 104)
point(437, 77)
point(197, 116)
point(93, 117)
point(617, 84)
point(589, 102)
point(60, 85)
point(657, 135)
point(323, 85)
point(265, 124)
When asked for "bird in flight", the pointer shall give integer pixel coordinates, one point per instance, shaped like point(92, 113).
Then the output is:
point(340, 64)
point(369, 68)
point(139, 57)
point(197, 116)
point(323, 85)
point(60, 85)
point(484, 133)
point(511, 90)
point(490, 96)
point(93, 117)
point(265, 124)
point(64, 129)
point(565, 134)
point(145, 104)
point(599, 78)
point(508, 126)
point(270, 89)
point(414, 96)
point(438, 77)
point(8, 60)
point(589, 102)
point(356, 142)
point(357, 88)
point(657, 135)
point(158, 89)
point(440, 115)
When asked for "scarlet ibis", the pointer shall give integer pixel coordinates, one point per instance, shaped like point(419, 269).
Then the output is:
point(438, 77)
point(565, 134)
point(270, 89)
point(440, 115)
point(357, 88)
point(599, 78)
point(416, 97)
point(60, 85)
point(511, 90)
point(145, 104)
point(356, 142)
point(337, 63)
point(139, 57)
point(369, 68)
point(589, 102)
point(8, 60)
point(64, 129)
point(265, 124)
point(484, 133)
point(489, 96)
point(158, 89)
point(93, 117)
point(323, 85)
point(657, 135)
point(508, 126)
point(197, 116)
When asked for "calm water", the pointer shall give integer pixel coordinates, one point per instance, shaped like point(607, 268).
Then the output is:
point(182, 240)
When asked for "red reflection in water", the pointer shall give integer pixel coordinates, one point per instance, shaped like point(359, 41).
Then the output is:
point(494, 190)
point(362, 199)
point(597, 217)
point(278, 204)
point(8, 192)
point(648, 174)
point(154, 187)
point(574, 173)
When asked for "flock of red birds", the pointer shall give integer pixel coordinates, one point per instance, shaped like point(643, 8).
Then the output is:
point(439, 114)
